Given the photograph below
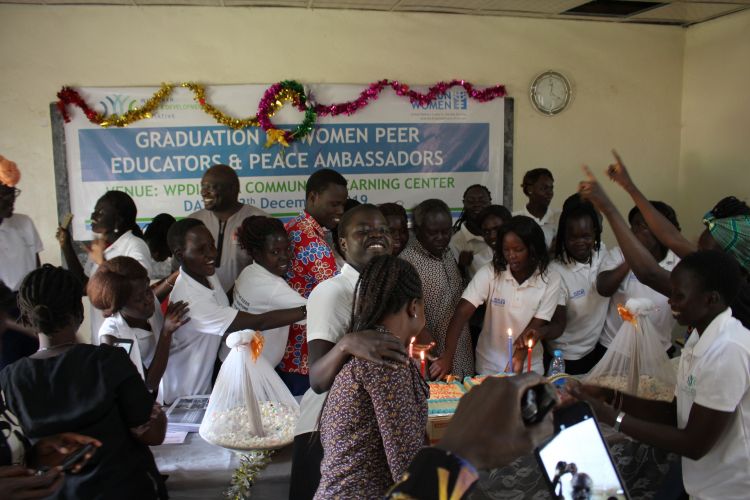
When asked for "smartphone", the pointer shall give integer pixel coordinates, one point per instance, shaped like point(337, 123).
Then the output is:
point(75, 457)
point(71, 460)
point(576, 461)
point(537, 402)
point(126, 344)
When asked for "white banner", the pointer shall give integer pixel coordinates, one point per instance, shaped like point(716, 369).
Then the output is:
point(390, 151)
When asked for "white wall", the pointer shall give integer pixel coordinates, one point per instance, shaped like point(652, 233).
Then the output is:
point(715, 153)
point(627, 78)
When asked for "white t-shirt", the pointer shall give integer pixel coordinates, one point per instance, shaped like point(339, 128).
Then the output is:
point(714, 372)
point(259, 291)
point(466, 240)
point(161, 269)
point(509, 305)
point(19, 245)
point(196, 343)
point(329, 311)
point(586, 310)
point(548, 223)
point(631, 288)
point(233, 258)
point(144, 341)
point(127, 245)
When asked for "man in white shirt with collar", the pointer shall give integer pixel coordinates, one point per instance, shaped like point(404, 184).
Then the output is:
point(222, 215)
point(708, 422)
point(539, 186)
point(363, 234)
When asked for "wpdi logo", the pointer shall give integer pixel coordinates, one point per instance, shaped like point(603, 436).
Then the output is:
point(451, 100)
point(118, 104)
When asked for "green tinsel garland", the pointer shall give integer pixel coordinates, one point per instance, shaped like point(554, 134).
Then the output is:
point(243, 477)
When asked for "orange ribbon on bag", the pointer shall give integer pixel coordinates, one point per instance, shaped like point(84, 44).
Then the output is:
point(626, 314)
point(256, 345)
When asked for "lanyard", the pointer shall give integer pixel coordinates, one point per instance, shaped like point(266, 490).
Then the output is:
point(220, 243)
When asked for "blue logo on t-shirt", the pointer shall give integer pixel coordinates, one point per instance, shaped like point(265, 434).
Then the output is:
point(498, 302)
point(578, 293)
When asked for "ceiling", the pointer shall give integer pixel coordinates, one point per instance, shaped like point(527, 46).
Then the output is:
point(678, 13)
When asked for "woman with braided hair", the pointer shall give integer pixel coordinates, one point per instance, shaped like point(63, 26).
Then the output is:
point(91, 390)
point(467, 242)
point(261, 286)
point(373, 422)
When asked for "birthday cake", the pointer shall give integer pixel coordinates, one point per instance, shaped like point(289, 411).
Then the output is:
point(471, 382)
point(444, 397)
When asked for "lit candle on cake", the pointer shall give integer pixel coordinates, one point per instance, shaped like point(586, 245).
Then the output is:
point(531, 344)
point(510, 349)
point(411, 347)
point(422, 363)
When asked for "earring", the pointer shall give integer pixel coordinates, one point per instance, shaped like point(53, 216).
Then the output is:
point(116, 231)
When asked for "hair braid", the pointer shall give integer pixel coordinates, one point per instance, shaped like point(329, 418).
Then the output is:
point(462, 218)
point(50, 298)
point(576, 207)
point(730, 207)
point(255, 229)
point(385, 286)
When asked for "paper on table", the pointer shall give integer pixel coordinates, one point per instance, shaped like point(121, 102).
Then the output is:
point(175, 437)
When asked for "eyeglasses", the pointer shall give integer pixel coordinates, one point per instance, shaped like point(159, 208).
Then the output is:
point(11, 194)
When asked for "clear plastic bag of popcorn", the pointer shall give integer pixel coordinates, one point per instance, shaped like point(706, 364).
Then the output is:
point(250, 408)
point(635, 362)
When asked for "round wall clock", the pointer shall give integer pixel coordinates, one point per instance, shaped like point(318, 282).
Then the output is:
point(550, 93)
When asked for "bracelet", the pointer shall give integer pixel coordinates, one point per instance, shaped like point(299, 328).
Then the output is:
point(304, 310)
point(171, 285)
point(618, 421)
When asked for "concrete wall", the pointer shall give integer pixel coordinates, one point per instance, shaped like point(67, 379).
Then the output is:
point(627, 79)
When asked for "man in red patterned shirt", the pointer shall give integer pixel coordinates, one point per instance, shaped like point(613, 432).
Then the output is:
point(313, 261)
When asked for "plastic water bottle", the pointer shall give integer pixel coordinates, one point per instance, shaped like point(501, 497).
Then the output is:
point(556, 367)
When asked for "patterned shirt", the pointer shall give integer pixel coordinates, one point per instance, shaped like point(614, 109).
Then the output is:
point(442, 285)
point(372, 426)
point(312, 262)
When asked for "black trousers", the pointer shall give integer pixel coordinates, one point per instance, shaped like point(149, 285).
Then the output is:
point(307, 455)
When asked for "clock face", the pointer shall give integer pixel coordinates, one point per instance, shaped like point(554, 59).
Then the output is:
point(550, 93)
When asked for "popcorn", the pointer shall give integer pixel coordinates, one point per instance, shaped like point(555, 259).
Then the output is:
point(229, 428)
point(648, 387)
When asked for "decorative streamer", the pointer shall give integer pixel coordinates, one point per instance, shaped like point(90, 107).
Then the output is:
point(244, 476)
point(274, 98)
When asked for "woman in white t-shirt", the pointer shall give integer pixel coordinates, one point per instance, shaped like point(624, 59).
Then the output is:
point(114, 222)
point(521, 295)
point(261, 287)
point(617, 281)
point(578, 258)
point(708, 421)
point(120, 289)
point(195, 346)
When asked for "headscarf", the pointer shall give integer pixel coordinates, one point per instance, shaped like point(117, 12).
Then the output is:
point(732, 234)
point(9, 173)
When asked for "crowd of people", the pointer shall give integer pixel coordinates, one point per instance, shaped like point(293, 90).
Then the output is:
point(339, 292)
